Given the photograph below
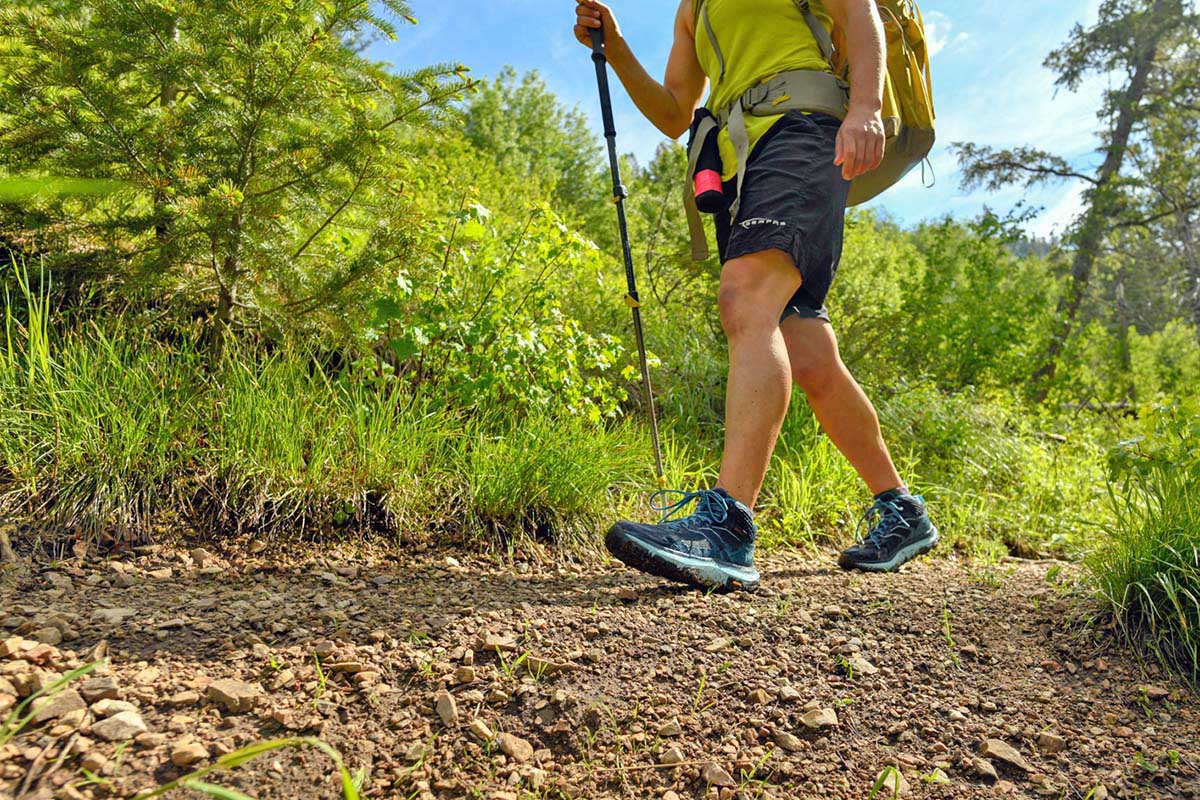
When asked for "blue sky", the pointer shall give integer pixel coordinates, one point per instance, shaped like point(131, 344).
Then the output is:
point(989, 83)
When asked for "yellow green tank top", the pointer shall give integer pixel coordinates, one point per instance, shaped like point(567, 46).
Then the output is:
point(758, 39)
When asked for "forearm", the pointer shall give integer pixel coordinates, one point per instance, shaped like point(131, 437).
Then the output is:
point(865, 46)
point(658, 103)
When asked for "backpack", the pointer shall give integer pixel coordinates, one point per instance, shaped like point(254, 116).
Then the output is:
point(908, 113)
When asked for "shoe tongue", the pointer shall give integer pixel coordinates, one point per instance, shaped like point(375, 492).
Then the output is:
point(736, 504)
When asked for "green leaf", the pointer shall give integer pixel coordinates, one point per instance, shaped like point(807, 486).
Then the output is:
point(212, 790)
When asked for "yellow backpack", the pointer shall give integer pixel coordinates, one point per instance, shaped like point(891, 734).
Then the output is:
point(908, 113)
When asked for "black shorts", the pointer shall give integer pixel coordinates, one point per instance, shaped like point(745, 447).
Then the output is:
point(794, 200)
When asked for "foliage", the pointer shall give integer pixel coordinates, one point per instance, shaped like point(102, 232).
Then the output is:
point(1147, 569)
point(260, 153)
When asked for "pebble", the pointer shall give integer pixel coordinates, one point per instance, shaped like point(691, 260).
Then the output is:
point(464, 675)
point(789, 694)
point(984, 769)
point(515, 747)
point(233, 695)
point(820, 718)
point(788, 742)
point(1051, 743)
point(670, 728)
point(893, 782)
point(1003, 751)
point(188, 753)
point(108, 707)
point(120, 727)
point(58, 706)
point(480, 730)
point(446, 709)
point(671, 756)
point(627, 595)
point(715, 775)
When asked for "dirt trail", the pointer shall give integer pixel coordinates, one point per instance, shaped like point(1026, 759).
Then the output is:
point(443, 679)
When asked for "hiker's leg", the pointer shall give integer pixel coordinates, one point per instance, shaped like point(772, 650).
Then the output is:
point(754, 290)
point(839, 403)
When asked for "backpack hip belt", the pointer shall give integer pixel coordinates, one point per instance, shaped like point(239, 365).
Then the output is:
point(794, 90)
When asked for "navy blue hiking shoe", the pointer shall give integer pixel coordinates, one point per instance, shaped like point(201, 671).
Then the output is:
point(899, 530)
point(713, 548)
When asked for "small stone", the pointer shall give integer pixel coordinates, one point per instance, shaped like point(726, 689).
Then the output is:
point(1123, 731)
point(669, 795)
point(184, 699)
point(323, 648)
point(1154, 692)
point(480, 730)
point(715, 775)
point(938, 777)
point(627, 595)
point(893, 783)
point(446, 709)
point(670, 728)
point(760, 697)
point(861, 666)
point(1002, 751)
point(201, 557)
point(464, 675)
point(490, 643)
point(188, 753)
point(235, 696)
point(163, 574)
point(108, 707)
point(58, 706)
point(1051, 743)
point(11, 647)
point(788, 694)
point(984, 769)
point(94, 762)
point(820, 718)
point(515, 747)
point(120, 727)
point(788, 742)
point(103, 688)
point(50, 636)
point(671, 756)
point(833, 612)
point(1100, 792)
point(717, 645)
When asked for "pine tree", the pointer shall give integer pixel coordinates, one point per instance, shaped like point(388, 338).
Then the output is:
point(260, 154)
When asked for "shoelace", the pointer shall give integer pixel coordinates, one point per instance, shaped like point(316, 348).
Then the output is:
point(880, 513)
point(711, 507)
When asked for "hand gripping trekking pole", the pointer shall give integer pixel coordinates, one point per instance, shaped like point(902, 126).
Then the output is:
point(600, 57)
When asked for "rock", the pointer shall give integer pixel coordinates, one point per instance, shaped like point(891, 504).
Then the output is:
point(820, 718)
point(670, 728)
point(1123, 731)
point(984, 769)
point(188, 753)
point(1154, 692)
point(60, 705)
point(861, 666)
point(95, 762)
point(715, 775)
point(446, 709)
point(1051, 743)
point(833, 612)
point(490, 643)
point(1002, 751)
point(164, 574)
point(109, 707)
point(515, 747)
point(233, 695)
point(627, 595)
point(103, 688)
point(760, 697)
point(201, 557)
point(11, 647)
point(120, 727)
point(50, 636)
point(788, 694)
point(717, 645)
point(185, 698)
point(788, 742)
point(1100, 792)
point(671, 756)
point(464, 675)
point(938, 777)
point(670, 795)
point(480, 730)
point(893, 783)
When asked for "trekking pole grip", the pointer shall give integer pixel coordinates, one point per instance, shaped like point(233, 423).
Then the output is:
point(598, 51)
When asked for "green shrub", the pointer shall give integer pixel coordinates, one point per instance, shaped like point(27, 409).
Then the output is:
point(1147, 568)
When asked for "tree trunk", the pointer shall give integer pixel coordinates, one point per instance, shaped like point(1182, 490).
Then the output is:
point(1124, 356)
point(1099, 213)
point(1191, 259)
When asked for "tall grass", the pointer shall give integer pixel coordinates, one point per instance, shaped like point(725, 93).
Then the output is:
point(1147, 570)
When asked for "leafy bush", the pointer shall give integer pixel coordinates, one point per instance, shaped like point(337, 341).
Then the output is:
point(1147, 568)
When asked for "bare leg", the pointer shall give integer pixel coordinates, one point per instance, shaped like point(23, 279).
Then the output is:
point(839, 403)
point(754, 291)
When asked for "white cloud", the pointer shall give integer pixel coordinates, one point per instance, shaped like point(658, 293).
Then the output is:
point(939, 33)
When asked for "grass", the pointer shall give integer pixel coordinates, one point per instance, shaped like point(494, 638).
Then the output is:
point(1147, 569)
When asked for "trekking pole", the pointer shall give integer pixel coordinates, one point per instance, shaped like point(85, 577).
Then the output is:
point(600, 58)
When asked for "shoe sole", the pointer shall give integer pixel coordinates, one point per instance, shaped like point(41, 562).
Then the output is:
point(906, 554)
point(703, 573)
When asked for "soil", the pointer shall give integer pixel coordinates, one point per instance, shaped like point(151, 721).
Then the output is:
point(443, 676)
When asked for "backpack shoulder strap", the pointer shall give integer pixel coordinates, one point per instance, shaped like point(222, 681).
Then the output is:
point(819, 32)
